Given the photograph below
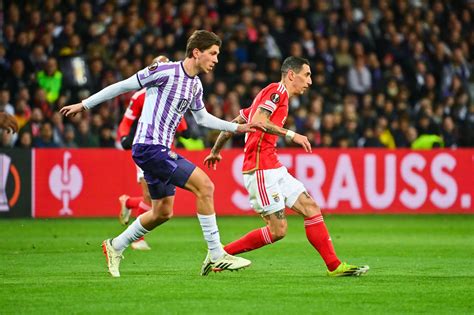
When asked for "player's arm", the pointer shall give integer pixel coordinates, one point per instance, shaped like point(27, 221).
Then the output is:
point(205, 119)
point(105, 94)
point(224, 136)
point(214, 157)
point(263, 116)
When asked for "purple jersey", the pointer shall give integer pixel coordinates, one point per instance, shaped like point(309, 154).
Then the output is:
point(169, 94)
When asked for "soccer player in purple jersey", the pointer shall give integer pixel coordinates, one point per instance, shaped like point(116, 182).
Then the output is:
point(171, 89)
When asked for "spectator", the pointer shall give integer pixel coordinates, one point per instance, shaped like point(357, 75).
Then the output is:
point(69, 137)
point(84, 137)
point(359, 78)
point(24, 141)
point(106, 137)
point(5, 105)
point(45, 138)
point(50, 79)
point(34, 124)
point(22, 113)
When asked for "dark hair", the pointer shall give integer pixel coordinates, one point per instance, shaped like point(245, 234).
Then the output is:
point(293, 63)
point(201, 40)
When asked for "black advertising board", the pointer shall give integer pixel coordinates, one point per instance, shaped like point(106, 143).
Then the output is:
point(15, 183)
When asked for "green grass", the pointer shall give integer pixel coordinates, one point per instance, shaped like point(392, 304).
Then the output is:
point(419, 264)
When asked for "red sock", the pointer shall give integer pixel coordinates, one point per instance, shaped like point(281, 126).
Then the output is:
point(143, 207)
point(133, 202)
point(252, 240)
point(318, 236)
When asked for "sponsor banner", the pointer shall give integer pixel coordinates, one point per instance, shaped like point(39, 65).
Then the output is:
point(15, 183)
point(88, 182)
point(369, 181)
point(364, 181)
point(82, 182)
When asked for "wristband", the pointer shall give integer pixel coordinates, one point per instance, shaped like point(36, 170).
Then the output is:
point(290, 135)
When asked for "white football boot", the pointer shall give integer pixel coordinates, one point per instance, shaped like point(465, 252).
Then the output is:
point(113, 258)
point(225, 262)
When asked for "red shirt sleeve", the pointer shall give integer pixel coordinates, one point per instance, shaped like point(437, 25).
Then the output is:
point(133, 112)
point(183, 125)
point(244, 113)
point(271, 98)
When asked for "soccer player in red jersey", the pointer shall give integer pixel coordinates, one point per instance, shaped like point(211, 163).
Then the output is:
point(271, 188)
point(126, 131)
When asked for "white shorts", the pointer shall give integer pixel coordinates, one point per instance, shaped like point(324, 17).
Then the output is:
point(139, 174)
point(271, 190)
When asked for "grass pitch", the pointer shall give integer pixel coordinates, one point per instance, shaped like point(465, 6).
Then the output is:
point(419, 264)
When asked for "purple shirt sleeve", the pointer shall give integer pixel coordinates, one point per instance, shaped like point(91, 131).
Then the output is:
point(155, 74)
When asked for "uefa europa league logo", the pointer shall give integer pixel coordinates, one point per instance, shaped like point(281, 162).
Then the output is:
point(65, 183)
point(5, 161)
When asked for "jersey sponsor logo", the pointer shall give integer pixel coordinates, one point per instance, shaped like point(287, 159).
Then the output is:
point(275, 98)
point(65, 183)
point(7, 168)
point(182, 105)
point(153, 66)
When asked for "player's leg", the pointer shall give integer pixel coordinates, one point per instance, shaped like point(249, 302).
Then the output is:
point(203, 188)
point(162, 209)
point(143, 207)
point(217, 259)
point(266, 198)
point(274, 231)
point(170, 168)
point(139, 204)
point(316, 230)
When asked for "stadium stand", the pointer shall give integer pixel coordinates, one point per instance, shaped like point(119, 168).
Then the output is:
point(391, 74)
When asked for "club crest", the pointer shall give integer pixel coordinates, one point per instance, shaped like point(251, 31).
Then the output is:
point(276, 197)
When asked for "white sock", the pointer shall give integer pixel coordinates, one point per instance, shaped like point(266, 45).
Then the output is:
point(132, 233)
point(211, 235)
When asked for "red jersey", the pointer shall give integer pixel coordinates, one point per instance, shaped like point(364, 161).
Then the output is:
point(133, 112)
point(260, 147)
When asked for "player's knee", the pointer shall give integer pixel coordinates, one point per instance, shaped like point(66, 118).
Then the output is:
point(206, 189)
point(165, 216)
point(162, 214)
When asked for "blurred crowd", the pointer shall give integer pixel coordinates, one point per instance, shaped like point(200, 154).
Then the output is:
point(392, 74)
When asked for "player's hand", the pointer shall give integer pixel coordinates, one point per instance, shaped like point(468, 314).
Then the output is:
point(251, 127)
point(8, 122)
point(302, 141)
point(72, 110)
point(211, 160)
